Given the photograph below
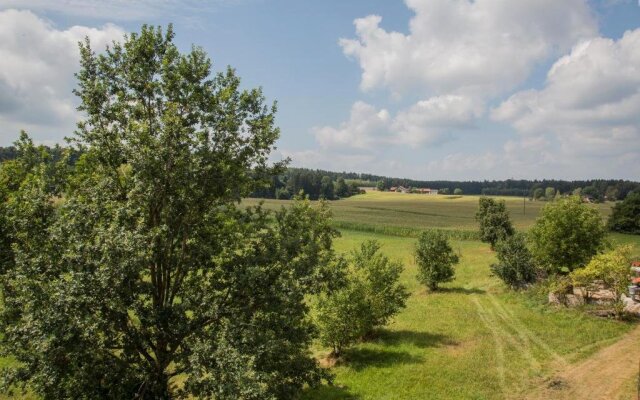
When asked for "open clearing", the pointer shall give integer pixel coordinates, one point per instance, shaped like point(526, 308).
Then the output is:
point(474, 339)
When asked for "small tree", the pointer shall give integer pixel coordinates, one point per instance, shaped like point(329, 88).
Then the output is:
point(343, 316)
point(385, 295)
point(626, 215)
point(494, 221)
point(370, 297)
point(458, 192)
point(515, 265)
point(380, 185)
point(326, 188)
point(610, 269)
point(550, 193)
point(435, 259)
point(566, 235)
point(341, 190)
point(538, 193)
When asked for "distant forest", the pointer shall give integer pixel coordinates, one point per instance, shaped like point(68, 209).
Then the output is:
point(334, 185)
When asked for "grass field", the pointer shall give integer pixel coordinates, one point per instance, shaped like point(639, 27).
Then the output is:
point(415, 211)
point(472, 340)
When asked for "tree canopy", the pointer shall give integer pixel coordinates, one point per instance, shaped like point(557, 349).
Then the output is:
point(566, 235)
point(140, 267)
point(625, 216)
point(493, 219)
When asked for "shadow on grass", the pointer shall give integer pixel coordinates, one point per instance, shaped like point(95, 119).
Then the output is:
point(359, 359)
point(418, 339)
point(460, 290)
point(329, 392)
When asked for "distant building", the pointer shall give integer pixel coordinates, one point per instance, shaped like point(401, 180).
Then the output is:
point(393, 189)
point(426, 191)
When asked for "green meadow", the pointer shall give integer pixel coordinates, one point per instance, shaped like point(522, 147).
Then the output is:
point(473, 340)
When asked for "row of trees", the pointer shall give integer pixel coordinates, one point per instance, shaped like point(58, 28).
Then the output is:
point(314, 183)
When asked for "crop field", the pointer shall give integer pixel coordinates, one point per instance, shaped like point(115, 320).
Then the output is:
point(417, 211)
point(473, 340)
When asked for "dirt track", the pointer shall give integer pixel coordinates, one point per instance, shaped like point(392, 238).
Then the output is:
point(604, 375)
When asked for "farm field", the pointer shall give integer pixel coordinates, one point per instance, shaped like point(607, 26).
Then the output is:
point(412, 212)
point(473, 340)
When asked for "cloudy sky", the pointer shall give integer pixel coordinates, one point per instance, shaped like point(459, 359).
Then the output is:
point(428, 89)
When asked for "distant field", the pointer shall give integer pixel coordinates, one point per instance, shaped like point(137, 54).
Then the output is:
point(417, 211)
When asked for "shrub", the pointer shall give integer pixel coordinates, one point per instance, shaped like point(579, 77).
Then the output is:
point(566, 235)
point(494, 221)
point(458, 191)
point(370, 297)
point(515, 264)
point(611, 270)
point(435, 259)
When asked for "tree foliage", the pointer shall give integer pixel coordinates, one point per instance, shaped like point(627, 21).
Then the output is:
point(566, 235)
point(372, 295)
point(625, 216)
point(147, 269)
point(435, 259)
point(610, 269)
point(515, 266)
point(494, 221)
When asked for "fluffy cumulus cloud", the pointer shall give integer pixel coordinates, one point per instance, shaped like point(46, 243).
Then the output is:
point(365, 127)
point(428, 120)
point(479, 47)
point(589, 103)
point(37, 65)
point(457, 56)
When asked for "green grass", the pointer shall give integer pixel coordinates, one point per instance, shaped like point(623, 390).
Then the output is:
point(417, 211)
point(473, 340)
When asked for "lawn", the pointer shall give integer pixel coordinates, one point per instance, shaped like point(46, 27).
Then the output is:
point(472, 340)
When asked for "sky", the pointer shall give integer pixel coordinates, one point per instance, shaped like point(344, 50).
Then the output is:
point(423, 89)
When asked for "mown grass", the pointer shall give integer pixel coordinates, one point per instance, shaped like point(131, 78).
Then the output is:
point(472, 340)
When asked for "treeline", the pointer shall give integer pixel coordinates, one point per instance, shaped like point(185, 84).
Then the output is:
point(295, 179)
point(334, 185)
point(314, 183)
point(54, 154)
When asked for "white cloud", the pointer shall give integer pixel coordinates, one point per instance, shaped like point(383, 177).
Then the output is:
point(429, 120)
point(365, 127)
point(460, 46)
point(37, 63)
point(590, 100)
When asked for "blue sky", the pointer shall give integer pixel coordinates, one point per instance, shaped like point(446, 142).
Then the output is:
point(429, 89)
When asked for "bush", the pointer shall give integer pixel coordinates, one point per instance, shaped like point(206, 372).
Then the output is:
point(610, 270)
point(494, 221)
point(566, 235)
point(370, 297)
point(435, 259)
point(515, 264)
point(458, 192)
point(626, 215)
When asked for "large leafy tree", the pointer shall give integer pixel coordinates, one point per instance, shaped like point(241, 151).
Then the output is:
point(493, 219)
point(566, 235)
point(625, 216)
point(144, 278)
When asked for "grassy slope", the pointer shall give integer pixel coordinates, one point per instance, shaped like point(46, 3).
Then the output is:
point(472, 340)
